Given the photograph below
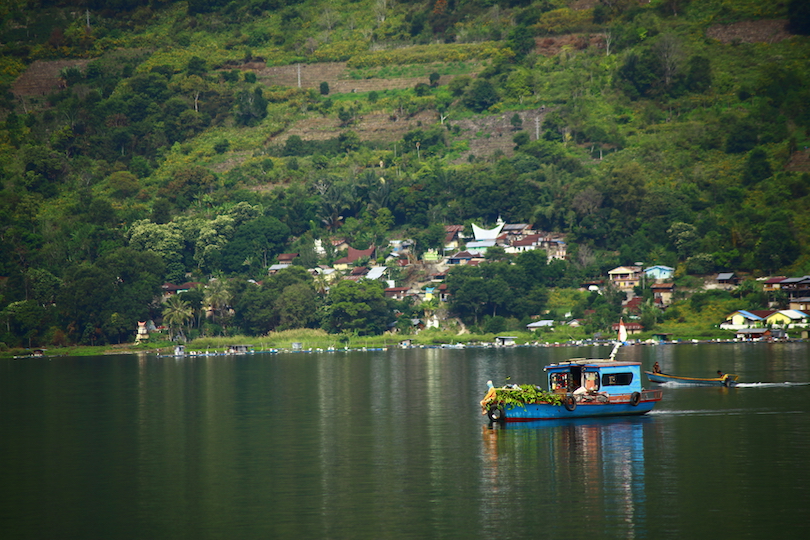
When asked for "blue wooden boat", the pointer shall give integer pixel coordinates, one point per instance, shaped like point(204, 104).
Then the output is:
point(578, 388)
point(726, 380)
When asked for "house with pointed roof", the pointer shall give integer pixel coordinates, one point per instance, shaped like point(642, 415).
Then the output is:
point(353, 256)
point(453, 237)
point(659, 272)
point(746, 319)
point(286, 257)
point(728, 279)
point(788, 318)
point(797, 287)
point(751, 334)
point(773, 283)
point(662, 293)
point(462, 257)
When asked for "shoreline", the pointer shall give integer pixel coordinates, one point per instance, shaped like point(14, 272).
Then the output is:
point(167, 350)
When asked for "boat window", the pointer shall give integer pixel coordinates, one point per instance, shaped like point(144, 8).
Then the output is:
point(617, 379)
point(558, 381)
point(590, 380)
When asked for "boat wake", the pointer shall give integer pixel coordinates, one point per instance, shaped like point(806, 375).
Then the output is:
point(786, 384)
point(771, 384)
point(724, 412)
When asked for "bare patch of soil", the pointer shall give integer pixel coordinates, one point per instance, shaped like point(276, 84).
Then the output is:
point(487, 135)
point(799, 161)
point(554, 45)
point(336, 74)
point(765, 31)
point(376, 126)
point(42, 77)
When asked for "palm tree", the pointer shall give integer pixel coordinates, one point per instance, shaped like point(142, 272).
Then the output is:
point(176, 314)
point(217, 296)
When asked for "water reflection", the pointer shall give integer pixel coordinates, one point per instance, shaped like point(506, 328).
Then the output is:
point(593, 468)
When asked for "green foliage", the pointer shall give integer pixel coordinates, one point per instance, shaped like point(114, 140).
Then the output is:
point(423, 54)
point(358, 307)
point(523, 394)
point(696, 160)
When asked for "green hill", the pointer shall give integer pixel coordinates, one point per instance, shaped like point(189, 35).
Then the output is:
point(144, 142)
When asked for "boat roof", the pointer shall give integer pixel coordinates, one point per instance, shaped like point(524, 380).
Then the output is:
point(591, 362)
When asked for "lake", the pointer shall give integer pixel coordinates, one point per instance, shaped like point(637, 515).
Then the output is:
point(392, 444)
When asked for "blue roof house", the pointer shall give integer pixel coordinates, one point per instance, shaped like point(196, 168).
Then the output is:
point(659, 272)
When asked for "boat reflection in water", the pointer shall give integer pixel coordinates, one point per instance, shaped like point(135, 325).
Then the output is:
point(591, 469)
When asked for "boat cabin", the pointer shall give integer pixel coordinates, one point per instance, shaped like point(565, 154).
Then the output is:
point(594, 376)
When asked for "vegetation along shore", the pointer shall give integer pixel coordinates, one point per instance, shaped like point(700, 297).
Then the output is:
point(355, 173)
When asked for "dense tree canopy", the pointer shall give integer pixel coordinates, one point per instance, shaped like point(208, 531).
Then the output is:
point(168, 151)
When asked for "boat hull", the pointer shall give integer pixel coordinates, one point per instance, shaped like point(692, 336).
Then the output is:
point(661, 378)
point(617, 406)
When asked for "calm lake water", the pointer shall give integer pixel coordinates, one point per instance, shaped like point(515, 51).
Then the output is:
point(391, 444)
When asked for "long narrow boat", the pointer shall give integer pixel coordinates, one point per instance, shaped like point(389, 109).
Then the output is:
point(661, 378)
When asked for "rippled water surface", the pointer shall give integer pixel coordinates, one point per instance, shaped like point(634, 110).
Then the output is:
point(391, 444)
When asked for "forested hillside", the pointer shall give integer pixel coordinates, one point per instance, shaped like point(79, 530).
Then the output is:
point(144, 142)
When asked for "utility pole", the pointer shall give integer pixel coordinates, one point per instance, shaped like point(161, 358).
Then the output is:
point(299, 75)
point(536, 128)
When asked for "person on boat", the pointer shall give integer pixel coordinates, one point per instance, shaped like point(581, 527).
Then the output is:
point(719, 374)
point(489, 397)
point(656, 368)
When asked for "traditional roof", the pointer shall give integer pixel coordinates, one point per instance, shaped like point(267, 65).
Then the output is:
point(286, 257)
point(486, 234)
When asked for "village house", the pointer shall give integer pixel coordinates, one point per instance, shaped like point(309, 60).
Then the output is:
point(536, 325)
point(170, 289)
point(453, 237)
point(788, 318)
point(462, 257)
point(773, 284)
point(397, 293)
point(798, 287)
point(631, 327)
point(801, 304)
point(352, 257)
point(659, 272)
point(662, 293)
point(746, 319)
point(755, 334)
point(625, 277)
point(727, 280)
